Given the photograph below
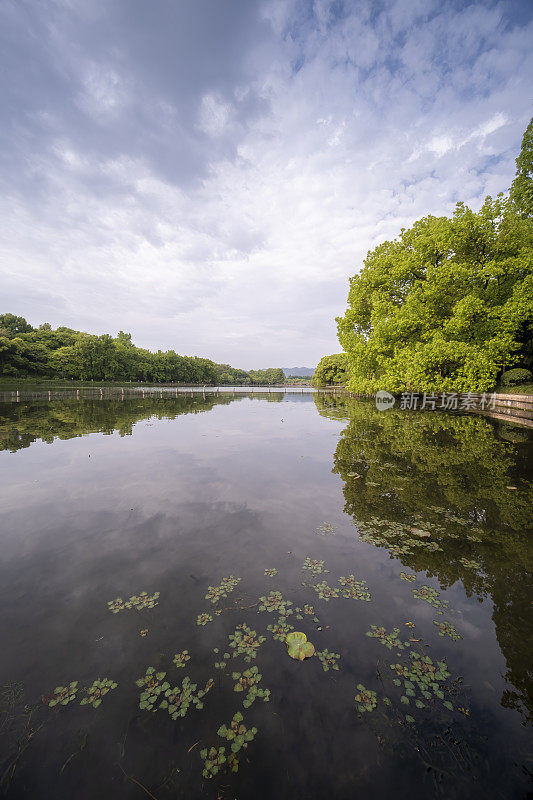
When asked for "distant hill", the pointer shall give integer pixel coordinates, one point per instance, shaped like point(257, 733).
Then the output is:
point(301, 372)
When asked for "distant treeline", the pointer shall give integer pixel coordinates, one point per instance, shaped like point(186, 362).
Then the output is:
point(43, 352)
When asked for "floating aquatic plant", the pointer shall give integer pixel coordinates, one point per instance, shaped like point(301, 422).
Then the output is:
point(152, 684)
point(274, 602)
point(424, 675)
point(137, 601)
point(328, 660)
point(245, 642)
point(314, 565)
point(398, 550)
point(180, 659)
point(365, 699)
point(239, 735)
point(227, 585)
point(63, 695)
point(177, 699)
point(95, 692)
point(447, 629)
point(325, 529)
point(247, 682)
point(116, 605)
point(142, 600)
point(281, 628)
point(406, 577)
point(298, 647)
point(354, 590)
point(390, 640)
point(430, 596)
point(420, 533)
point(204, 618)
point(325, 592)
point(470, 563)
point(271, 571)
point(224, 663)
point(213, 760)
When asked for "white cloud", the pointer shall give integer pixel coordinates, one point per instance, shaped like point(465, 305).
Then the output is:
point(357, 136)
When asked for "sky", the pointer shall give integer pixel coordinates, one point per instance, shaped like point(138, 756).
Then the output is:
point(208, 174)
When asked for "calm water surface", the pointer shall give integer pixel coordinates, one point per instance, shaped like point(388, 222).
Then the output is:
point(104, 499)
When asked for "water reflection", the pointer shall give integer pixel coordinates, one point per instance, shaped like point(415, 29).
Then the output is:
point(450, 476)
point(107, 499)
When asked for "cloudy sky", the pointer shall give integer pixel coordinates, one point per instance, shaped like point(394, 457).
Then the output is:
point(207, 174)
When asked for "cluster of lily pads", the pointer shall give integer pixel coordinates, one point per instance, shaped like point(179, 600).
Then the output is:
point(470, 563)
point(447, 629)
point(274, 602)
point(353, 589)
point(328, 660)
point(239, 735)
point(214, 760)
point(245, 642)
point(325, 592)
point(390, 640)
point(227, 585)
point(325, 529)
point(180, 659)
point(420, 679)
point(248, 682)
point(431, 596)
point(366, 699)
point(158, 693)
point(63, 695)
point(306, 610)
point(136, 601)
point(411, 534)
point(177, 699)
point(426, 676)
point(281, 628)
point(97, 691)
point(314, 565)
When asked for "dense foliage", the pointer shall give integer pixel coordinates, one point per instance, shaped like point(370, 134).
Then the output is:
point(65, 353)
point(449, 304)
point(331, 370)
point(419, 466)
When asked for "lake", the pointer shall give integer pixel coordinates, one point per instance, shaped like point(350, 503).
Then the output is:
point(398, 542)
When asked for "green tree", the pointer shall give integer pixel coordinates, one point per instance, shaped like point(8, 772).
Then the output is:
point(522, 186)
point(444, 306)
point(331, 370)
point(12, 325)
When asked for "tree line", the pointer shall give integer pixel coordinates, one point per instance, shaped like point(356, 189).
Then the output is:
point(44, 352)
point(448, 305)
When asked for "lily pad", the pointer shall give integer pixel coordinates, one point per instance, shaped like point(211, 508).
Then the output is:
point(298, 647)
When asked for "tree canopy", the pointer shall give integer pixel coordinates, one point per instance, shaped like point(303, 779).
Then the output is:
point(449, 304)
point(331, 370)
point(65, 353)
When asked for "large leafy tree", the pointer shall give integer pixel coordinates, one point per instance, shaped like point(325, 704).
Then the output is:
point(522, 188)
point(331, 370)
point(449, 304)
